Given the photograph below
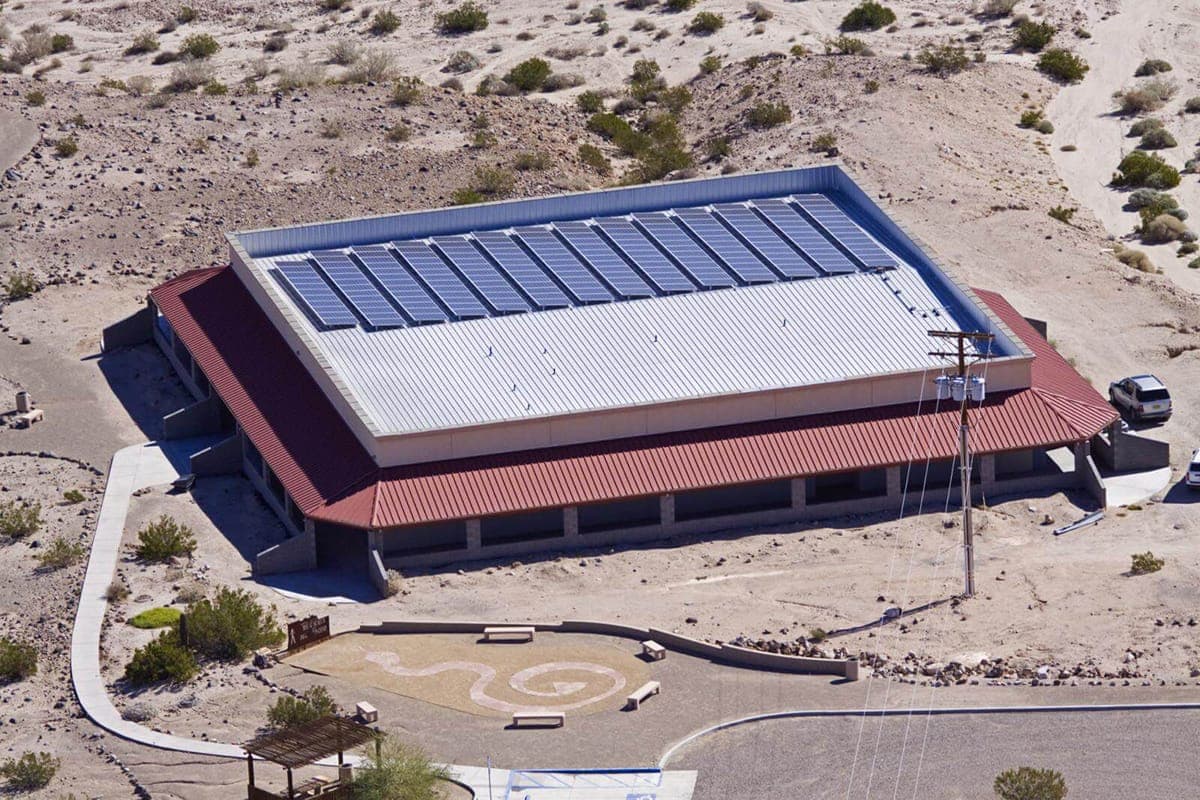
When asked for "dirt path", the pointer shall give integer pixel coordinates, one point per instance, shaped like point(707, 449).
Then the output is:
point(17, 135)
point(1083, 115)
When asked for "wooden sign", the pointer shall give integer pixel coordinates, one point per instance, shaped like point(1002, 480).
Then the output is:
point(310, 630)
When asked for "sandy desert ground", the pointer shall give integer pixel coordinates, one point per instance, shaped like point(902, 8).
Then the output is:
point(155, 182)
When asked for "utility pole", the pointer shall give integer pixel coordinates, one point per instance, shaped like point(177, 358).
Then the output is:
point(964, 381)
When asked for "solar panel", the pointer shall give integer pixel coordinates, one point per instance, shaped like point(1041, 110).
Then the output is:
point(563, 264)
point(798, 230)
point(842, 228)
point(408, 293)
point(648, 258)
point(440, 279)
point(765, 241)
point(520, 267)
point(357, 288)
point(684, 251)
point(717, 237)
point(317, 297)
point(497, 291)
point(618, 274)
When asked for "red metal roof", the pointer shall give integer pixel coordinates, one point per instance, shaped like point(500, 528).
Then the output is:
point(331, 477)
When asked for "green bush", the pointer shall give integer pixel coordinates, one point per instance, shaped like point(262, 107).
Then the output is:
point(618, 131)
point(465, 197)
point(1062, 214)
point(710, 64)
point(1044, 126)
point(73, 496)
point(17, 519)
point(1192, 105)
point(824, 143)
point(159, 617)
point(1030, 783)
point(768, 115)
point(846, 46)
point(18, 660)
point(1062, 65)
point(591, 156)
point(1194, 263)
point(664, 151)
point(66, 147)
point(493, 181)
point(870, 16)
point(1149, 96)
point(162, 659)
point(529, 75)
point(1157, 139)
point(231, 626)
point(1145, 169)
point(675, 99)
point(35, 97)
point(385, 22)
point(312, 704)
point(187, 14)
point(165, 539)
point(1033, 36)
point(679, 5)
point(944, 59)
point(397, 770)
point(1144, 126)
point(406, 91)
point(531, 160)
point(468, 17)
point(1145, 563)
point(1030, 118)
point(60, 553)
point(61, 43)
point(1165, 228)
point(706, 22)
point(142, 43)
point(199, 45)
point(19, 286)
point(398, 133)
point(29, 772)
point(1151, 66)
point(590, 102)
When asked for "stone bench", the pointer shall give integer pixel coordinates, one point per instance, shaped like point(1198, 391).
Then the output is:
point(27, 419)
point(653, 650)
point(555, 719)
point(635, 700)
point(525, 633)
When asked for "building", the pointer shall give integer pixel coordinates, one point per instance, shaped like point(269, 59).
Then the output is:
point(604, 367)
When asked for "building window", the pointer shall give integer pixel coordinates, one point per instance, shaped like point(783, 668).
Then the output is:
point(742, 498)
point(417, 539)
point(526, 527)
point(253, 457)
point(636, 513)
point(841, 487)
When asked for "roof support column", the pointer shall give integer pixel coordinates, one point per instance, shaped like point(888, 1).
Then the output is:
point(666, 510)
point(895, 484)
point(571, 522)
point(474, 535)
point(799, 494)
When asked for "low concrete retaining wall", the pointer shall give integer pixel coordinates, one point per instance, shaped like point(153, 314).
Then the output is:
point(222, 458)
point(134, 329)
point(199, 419)
point(290, 555)
point(724, 653)
point(1123, 451)
point(377, 571)
point(1093, 482)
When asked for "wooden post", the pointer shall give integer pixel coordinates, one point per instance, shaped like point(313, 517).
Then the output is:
point(250, 768)
point(291, 790)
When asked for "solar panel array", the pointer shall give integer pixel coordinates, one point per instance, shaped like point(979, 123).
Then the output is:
point(564, 264)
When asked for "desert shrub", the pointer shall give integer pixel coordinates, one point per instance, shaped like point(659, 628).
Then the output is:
point(334, 5)
point(1044, 126)
point(231, 625)
point(1136, 259)
point(466, 18)
point(675, 99)
point(717, 148)
point(252, 158)
point(374, 66)
point(288, 711)
point(60, 553)
point(759, 12)
point(215, 89)
point(591, 156)
point(66, 146)
point(710, 64)
point(199, 45)
point(300, 75)
point(461, 61)
point(1144, 126)
point(398, 133)
point(406, 91)
point(465, 197)
point(18, 519)
point(35, 97)
point(186, 14)
point(165, 539)
point(531, 160)
point(116, 592)
point(344, 52)
point(397, 770)
point(29, 772)
point(159, 617)
point(1157, 139)
point(1145, 169)
point(191, 592)
point(61, 43)
point(1194, 263)
point(331, 129)
point(1151, 66)
point(1030, 783)
point(998, 8)
point(1030, 118)
point(1149, 96)
point(1192, 105)
point(679, 5)
point(768, 115)
point(384, 22)
point(944, 59)
point(18, 286)
point(275, 43)
point(616, 130)
point(590, 102)
point(1062, 65)
point(562, 80)
point(18, 660)
point(869, 16)
point(1151, 198)
point(493, 181)
point(823, 143)
point(846, 46)
point(163, 658)
point(1062, 214)
point(663, 151)
point(165, 57)
point(189, 74)
point(529, 74)
point(1033, 36)
point(1165, 228)
point(1187, 248)
point(1144, 563)
point(706, 22)
point(73, 496)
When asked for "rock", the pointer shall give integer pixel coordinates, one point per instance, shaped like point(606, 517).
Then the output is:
point(691, 620)
point(138, 712)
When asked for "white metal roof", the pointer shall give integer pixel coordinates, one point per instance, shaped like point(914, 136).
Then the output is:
point(639, 352)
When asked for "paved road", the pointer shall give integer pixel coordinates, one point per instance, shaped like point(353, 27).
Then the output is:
point(1104, 756)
